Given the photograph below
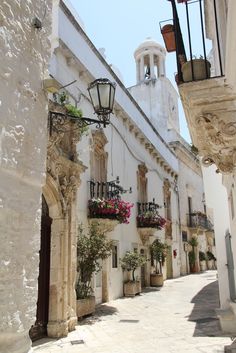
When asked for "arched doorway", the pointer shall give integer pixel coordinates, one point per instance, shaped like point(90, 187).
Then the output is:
point(39, 329)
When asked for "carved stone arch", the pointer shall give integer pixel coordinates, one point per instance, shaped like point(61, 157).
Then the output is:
point(50, 192)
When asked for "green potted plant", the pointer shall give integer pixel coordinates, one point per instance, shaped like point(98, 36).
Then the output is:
point(210, 260)
point(192, 255)
point(130, 262)
point(202, 260)
point(91, 248)
point(158, 252)
point(63, 100)
point(196, 69)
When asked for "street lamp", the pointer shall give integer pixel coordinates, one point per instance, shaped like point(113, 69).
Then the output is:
point(102, 94)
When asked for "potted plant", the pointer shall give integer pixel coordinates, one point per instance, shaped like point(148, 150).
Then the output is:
point(150, 219)
point(196, 69)
point(158, 252)
point(192, 255)
point(116, 209)
point(210, 260)
point(63, 100)
point(202, 260)
point(130, 262)
point(91, 248)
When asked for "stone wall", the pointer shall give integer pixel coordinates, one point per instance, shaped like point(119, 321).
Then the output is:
point(25, 54)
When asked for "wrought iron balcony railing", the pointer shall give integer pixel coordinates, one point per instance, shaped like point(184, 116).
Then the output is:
point(107, 190)
point(194, 39)
point(144, 207)
point(199, 220)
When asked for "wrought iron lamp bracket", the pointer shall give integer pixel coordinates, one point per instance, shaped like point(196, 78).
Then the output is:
point(59, 122)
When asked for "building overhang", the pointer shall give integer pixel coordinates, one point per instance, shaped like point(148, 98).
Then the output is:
point(210, 109)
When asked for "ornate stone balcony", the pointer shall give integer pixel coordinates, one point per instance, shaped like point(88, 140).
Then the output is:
point(210, 108)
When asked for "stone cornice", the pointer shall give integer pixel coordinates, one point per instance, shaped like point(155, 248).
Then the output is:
point(187, 157)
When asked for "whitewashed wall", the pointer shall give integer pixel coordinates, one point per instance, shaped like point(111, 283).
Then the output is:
point(23, 140)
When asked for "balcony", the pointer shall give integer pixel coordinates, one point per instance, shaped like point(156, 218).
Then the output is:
point(149, 217)
point(199, 220)
point(148, 220)
point(105, 202)
point(208, 97)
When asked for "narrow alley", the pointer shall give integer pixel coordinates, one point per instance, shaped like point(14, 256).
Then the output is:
point(179, 317)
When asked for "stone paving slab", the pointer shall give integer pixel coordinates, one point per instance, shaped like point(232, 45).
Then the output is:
point(180, 317)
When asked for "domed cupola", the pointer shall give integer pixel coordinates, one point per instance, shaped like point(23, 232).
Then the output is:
point(150, 61)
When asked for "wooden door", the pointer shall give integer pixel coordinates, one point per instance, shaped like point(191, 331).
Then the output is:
point(39, 329)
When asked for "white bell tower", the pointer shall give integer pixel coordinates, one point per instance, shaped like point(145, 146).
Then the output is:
point(153, 90)
point(150, 61)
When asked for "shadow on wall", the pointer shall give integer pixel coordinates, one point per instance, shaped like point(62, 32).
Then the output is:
point(204, 312)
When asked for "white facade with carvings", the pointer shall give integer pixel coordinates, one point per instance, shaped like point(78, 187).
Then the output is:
point(129, 143)
point(210, 110)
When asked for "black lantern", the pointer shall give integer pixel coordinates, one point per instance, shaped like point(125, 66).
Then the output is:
point(102, 93)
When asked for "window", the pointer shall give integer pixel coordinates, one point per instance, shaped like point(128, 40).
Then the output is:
point(114, 256)
point(189, 204)
point(184, 236)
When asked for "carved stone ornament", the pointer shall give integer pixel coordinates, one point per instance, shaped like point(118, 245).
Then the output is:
point(145, 233)
point(104, 224)
point(63, 164)
point(168, 229)
point(166, 189)
point(216, 141)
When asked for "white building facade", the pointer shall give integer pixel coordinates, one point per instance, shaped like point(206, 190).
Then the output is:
point(209, 106)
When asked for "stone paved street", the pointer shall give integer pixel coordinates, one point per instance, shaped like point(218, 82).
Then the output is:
point(180, 317)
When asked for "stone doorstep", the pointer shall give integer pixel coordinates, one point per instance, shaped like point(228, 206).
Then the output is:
point(227, 319)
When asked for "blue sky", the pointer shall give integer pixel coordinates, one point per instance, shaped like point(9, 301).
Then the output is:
point(120, 26)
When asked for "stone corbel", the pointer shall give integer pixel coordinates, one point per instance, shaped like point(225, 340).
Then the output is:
point(216, 142)
point(145, 233)
point(104, 225)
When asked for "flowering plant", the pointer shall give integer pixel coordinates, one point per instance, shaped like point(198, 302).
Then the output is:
point(151, 219)
point(113, 208)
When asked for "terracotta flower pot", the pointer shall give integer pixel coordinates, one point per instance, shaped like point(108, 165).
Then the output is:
point(168, 34)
